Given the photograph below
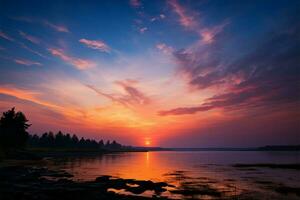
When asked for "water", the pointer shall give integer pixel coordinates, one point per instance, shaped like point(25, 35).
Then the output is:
point(195, 170)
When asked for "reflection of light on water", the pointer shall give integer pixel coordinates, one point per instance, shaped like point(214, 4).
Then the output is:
point(147, 158)
point(124, 192)
point(178, 168)
point(132, 185)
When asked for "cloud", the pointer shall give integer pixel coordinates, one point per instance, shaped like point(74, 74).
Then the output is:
point(135, 96)
point(184, 110)
point(29, 37)
point(143, 30)
point(268, 76)
point(32, 51)
point(24, 95)
point(188, 19)
point(78, 63)
point(165, 48)
point(132, 97)
point(109, 96)
point(96, 44)
point(27, 62)
point(58, 28)
point(185, 19)
point(160, 17)
point(5, 36)
point(135, 3)
point(208, 34)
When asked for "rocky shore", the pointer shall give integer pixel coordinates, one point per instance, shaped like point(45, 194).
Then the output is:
point(28, 183)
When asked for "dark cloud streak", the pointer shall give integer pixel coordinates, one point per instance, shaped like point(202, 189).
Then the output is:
point(268, 76)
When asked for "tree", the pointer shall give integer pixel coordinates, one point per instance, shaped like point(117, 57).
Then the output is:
point(13, 129)
point(101, 144)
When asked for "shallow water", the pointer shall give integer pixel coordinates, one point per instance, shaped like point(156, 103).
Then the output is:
point(196, 170)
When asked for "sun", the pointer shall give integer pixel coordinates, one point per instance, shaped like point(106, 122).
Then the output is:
point(147, 142)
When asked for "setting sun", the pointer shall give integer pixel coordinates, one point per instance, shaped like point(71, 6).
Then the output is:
point(147, 142)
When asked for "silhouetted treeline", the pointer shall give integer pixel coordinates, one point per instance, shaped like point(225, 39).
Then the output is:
point(13, 130)
point(14, 136)
point(61, 140)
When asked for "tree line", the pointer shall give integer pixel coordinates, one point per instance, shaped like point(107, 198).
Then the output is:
point(14, 135)
point(61, 140)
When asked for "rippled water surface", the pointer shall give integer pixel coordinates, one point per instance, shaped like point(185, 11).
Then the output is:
point(198, 174)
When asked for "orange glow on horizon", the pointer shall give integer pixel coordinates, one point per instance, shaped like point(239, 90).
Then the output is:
point(147, 141)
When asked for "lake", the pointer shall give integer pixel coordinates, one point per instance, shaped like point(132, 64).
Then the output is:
point(191, 170)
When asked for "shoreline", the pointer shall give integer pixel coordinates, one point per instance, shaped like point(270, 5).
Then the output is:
point(27, 183)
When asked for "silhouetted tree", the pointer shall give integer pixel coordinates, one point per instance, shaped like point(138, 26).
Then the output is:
point(13, 126)
point(74, 141)
point(115, 145)
point(107, 144)
point(101, 144)
point(61, 140)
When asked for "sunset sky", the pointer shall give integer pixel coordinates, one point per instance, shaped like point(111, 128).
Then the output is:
point(198, 73)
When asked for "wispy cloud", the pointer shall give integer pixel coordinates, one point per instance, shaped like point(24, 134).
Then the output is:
point(30, 38)
point(96, 44)
point(56, 27)
point(109, 96)
point(132, 97)
point(165, 48)
point(32, 51)
point(266, 77)
point(59, 28)
point(6, 36)
point(143, 29)
point(78, 63)
point(189, 20)
point(160, 17)
point(22, 94)
point(185, 18)
point(135, 96)
point(184, 110)
point(27, 62)
point(208, 34)
point(135, 3)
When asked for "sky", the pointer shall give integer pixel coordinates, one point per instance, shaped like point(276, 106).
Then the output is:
point(174, 73)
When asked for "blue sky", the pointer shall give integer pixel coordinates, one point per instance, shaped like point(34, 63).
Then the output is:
point(156, 70)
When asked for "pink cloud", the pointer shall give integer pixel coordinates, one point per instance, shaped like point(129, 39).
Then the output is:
point(164, 48)
point(208, 34)
point(78, 63)
point(27, 62)
point(185, 19)
point(5, 36)
point(29, 37)
point(56, 27)
point(143, 30)
point(133, 96)
point(135, 3)
point(189, 20)
point(95, 44)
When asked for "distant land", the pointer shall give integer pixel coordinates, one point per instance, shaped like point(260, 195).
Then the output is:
point(264, 148)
